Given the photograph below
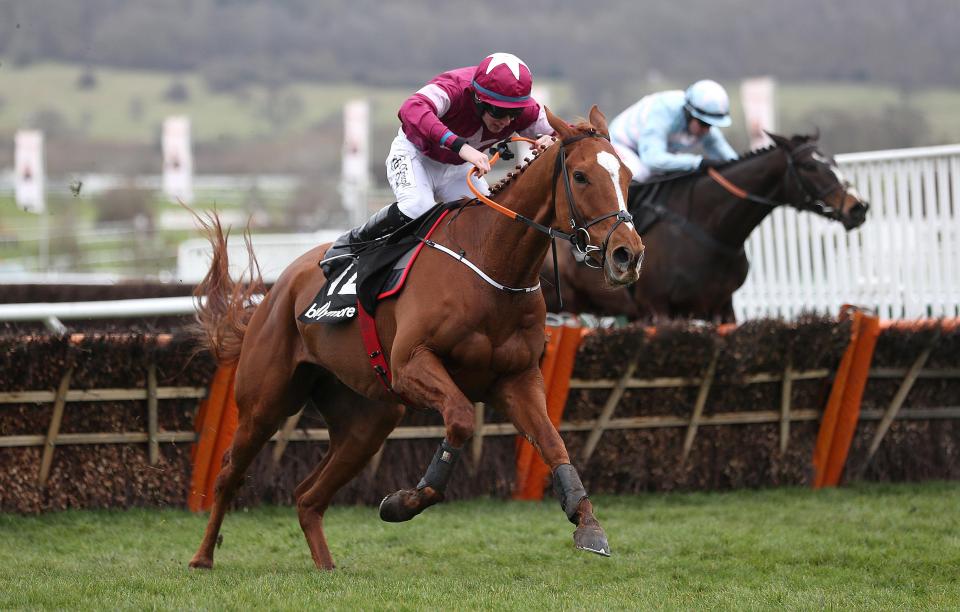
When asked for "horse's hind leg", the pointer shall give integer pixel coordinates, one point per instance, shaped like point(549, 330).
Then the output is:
point(358, 427)
point(523, 399)
point(263, 402)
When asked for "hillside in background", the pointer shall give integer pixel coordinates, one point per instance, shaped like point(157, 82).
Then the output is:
point(100, 119)
point(598, 45)
point(264, 82)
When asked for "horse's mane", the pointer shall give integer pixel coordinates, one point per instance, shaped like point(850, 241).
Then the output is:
point(583, 126)
point(676, 179)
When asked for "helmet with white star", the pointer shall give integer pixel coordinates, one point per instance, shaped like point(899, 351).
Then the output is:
point(708, 101)
point(502, 79)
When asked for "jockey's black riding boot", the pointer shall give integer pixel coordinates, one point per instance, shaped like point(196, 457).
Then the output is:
point(384, 222)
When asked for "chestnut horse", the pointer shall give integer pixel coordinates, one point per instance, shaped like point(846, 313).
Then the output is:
point(696, 258)
point(455, 335)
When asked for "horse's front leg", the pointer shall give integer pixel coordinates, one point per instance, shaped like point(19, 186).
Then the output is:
point(523, 399)
point(423, 381)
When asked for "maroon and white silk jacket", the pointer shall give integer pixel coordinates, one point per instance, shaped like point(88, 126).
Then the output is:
point(443, 110)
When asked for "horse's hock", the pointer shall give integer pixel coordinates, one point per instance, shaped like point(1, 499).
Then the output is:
point(685, 407)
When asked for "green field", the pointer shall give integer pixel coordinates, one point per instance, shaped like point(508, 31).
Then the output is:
point(129, 105)
point(297, 129)
point(72, 240)
point(110, 110)
point(862, 547)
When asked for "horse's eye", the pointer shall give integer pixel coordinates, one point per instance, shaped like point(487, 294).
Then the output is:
point(808, 166)
point(579, 177)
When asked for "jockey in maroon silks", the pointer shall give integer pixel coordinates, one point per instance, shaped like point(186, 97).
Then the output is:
point(444, 128)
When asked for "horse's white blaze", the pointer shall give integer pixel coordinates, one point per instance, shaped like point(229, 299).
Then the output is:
point(611, 163)
point(850, 187)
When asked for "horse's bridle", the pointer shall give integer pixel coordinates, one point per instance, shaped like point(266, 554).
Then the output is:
point(579, 237)
point(812, 199)
point(581, 234)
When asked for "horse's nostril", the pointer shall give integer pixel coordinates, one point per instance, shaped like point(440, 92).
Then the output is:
point(622, 256)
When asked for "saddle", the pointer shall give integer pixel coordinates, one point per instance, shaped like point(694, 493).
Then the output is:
point(645, 204)
point(642, 199)
point(377, 272)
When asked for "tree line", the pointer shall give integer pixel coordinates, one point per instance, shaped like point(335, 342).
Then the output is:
point(597, 46)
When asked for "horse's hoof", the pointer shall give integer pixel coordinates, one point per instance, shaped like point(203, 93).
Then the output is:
point(399, 507)
point(592, 539)
point(201, 563)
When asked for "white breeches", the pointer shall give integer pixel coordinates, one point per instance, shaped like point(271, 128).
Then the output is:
point(420, 182)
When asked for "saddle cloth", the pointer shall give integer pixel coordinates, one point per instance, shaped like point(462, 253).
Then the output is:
point(378, 272)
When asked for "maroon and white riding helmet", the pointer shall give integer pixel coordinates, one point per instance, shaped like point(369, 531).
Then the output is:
point(502, 79)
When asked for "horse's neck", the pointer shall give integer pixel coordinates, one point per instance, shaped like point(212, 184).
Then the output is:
point(508, 250)
point(731, 219)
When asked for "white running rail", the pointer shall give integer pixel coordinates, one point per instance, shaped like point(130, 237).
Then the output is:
point(51, 312)
point(904, 262)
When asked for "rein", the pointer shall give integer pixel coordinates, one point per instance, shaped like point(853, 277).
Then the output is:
point(812, 200)
point(580, 236)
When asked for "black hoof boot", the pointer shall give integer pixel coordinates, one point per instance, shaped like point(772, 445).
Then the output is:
point(592, 539)
point(405, 504)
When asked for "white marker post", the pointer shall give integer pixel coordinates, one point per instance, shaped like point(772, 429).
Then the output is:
point(759, 110)
point(177, 160)
point(29, 171)
point(29, 185)
point(355, 160)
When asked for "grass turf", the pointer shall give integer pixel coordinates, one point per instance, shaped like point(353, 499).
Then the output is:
point(868, 546)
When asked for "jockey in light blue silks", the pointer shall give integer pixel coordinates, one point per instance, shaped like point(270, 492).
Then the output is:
point(659, 133)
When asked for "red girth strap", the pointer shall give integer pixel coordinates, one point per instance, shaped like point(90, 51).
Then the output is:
point(371, 342)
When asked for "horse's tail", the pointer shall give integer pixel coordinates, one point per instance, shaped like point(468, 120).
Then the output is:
point(224, 305)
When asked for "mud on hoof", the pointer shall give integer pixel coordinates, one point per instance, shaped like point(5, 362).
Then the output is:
point(591, 539)
point(405, 504)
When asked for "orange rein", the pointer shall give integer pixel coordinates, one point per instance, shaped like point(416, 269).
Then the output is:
point(496, 156)
point(733, 189)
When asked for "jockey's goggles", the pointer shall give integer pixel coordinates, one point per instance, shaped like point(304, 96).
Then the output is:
point(498, 112)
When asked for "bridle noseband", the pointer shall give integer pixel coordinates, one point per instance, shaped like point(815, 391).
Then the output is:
point(580, 237)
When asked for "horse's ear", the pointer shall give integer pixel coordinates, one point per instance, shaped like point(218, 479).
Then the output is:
point(599, 121)
point(779, 140)
point(816, 134)
point(559, 126)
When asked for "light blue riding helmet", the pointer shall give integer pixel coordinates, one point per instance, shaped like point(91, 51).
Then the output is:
point(708, 101)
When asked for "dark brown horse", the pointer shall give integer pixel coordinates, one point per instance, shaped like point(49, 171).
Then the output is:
point(695, 258)
point(451, 338)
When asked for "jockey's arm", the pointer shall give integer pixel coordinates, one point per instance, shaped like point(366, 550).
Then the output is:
point(715, 146)
point(652, 149)
point(420, 118)
point(540, 129)
point(477, 158)
point(545, 140)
